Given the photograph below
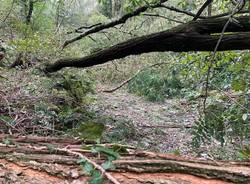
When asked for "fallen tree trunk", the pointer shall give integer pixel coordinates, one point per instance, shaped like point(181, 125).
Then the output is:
point(201, 35)
point(29, 161)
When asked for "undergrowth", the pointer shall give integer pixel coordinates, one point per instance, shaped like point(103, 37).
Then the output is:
point(155, 85)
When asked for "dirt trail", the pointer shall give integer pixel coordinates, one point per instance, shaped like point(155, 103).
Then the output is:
point(153, 120)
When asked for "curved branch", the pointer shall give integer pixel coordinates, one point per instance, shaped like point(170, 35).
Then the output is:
point(131, 78)
point(206, 4)
point(121, 20)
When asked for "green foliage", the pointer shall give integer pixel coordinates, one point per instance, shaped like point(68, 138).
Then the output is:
point(8, 142)
point(90, 131)
point(127, 5)
point(210, 126)
point(110, 153)
point(67, 108)
point(155, 85)
point(245, 153)
point(106, 7)
point(176, 152)
point(223, 122)
point(121, 131)
point(227, 118)
point(95, 176)
point(76, 85)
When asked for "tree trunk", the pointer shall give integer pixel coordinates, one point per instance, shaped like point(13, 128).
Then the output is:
point(200, 35)
point(30, 12)
point(46, 160)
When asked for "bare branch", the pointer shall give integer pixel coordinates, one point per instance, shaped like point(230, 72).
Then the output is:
point(79, 30)
point(204, 6)
point(171, 8)
point(96, 166)
point(131, 78)
point(238, 7)
point(121, 20)
point(164, 17)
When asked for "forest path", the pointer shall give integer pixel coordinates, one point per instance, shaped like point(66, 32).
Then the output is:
point(163, 126)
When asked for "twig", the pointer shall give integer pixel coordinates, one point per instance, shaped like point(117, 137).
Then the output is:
point(230, 19)
point(8, 14)
point(109, 176)
point(164, 17)
point(128, 80)
point(111, 24)
point(173, 125)
point(78, 30)
point(206, 4)
point(171, 8)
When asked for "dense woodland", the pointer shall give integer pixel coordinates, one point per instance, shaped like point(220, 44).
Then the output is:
point(140, 87)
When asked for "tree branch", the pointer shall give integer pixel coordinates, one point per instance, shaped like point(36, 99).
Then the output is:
point(193, 36)
point(121, 20)
point(30, 12)
point(164, 17)
point(131, 78)
point(171, 8)
point(206, 4)
point(79, 30)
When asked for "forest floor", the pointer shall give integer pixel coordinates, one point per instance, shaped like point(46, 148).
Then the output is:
point(161, 126)
point(151, 126)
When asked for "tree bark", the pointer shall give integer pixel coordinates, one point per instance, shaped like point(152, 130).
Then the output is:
point(30, 12)
point(201, 35)
point(49, 158)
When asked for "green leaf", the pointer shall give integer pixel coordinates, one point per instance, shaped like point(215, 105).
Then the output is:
point(245, 153)
point(108, 165)
point(244, 117)
point(80, 161)
point(109, 152)
point(96, 178)
point(8, 141)
point(88, 168)
point(51, 148)
point(91, 131)
point(7, 119)
point(239, 85)
point(2, 77)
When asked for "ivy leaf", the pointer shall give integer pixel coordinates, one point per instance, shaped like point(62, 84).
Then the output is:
point(245, 153)
point(109, 152)
point(80, 161)
point(239, 85)
point(96, 178)
point(244, 117)
point(7, 141)
point(88, 168)
point(108, 165)
point(51, 148)
point(90, 131)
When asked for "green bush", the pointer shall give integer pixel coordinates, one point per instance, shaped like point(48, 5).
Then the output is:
point(155, 85)
point(224, 122)
point(75, 85)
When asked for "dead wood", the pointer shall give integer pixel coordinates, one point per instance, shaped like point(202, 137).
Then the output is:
point(199, 35)
point(131, 167)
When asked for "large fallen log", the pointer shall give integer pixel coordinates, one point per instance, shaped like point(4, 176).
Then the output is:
point(34, 162)
point(201, 35)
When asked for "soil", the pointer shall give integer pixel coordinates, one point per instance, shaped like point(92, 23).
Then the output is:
point(162, 127)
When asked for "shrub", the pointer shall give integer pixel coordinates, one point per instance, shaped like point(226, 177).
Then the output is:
point(224, 122)
point(155, 85)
